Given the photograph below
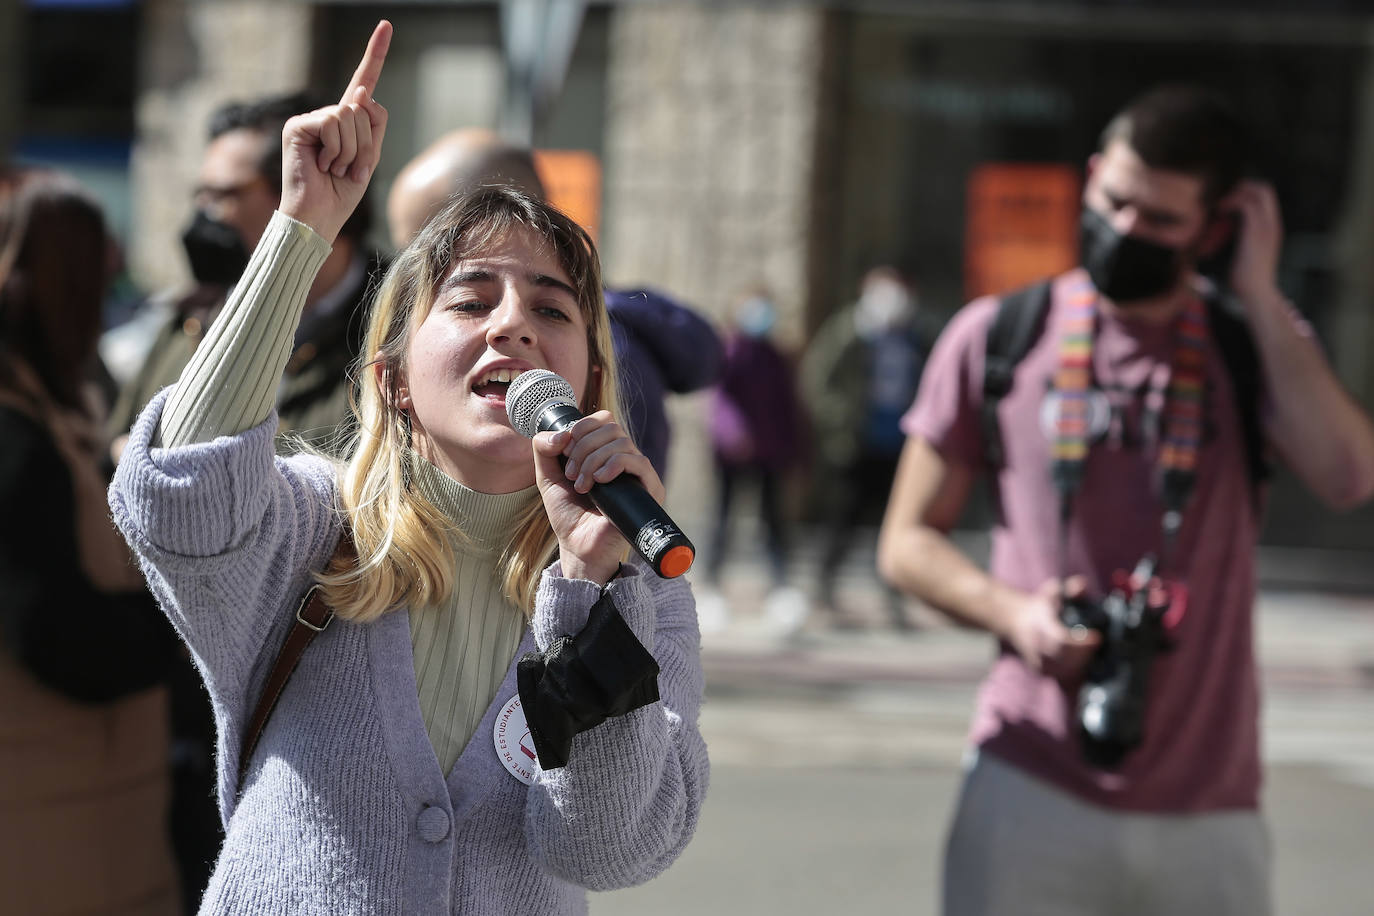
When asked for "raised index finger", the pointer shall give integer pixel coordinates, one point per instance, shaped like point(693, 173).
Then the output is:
point(370, 67)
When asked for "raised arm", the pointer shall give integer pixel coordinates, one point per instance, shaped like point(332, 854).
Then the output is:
point(1317, 427)
point(328, 157)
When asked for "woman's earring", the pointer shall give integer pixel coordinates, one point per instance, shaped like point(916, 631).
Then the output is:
point(407, 453)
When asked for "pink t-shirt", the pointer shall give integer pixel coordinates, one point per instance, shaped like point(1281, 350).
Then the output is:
point(1201, 749)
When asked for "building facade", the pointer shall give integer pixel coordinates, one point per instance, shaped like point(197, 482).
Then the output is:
point(796, 144)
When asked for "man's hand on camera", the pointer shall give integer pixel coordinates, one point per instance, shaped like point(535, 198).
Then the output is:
point(1042, 640)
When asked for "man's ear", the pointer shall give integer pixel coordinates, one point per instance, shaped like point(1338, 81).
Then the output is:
point(1220, 231)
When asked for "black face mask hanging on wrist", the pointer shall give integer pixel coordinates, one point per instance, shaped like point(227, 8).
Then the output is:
point(1122, 267)
point(215, 251)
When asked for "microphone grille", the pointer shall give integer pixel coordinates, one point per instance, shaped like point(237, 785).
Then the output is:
point(530, 393)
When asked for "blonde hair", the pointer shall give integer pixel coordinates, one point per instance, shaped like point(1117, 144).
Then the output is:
point(404, 544)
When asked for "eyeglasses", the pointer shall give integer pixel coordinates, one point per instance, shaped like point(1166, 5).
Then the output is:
point(216, 195)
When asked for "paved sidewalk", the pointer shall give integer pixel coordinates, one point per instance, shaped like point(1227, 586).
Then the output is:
point(1306, 638)
point(835, 756)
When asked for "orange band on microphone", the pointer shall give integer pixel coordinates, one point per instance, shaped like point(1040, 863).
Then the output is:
point(676, 562)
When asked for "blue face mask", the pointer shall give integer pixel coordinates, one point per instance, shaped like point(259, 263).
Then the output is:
point(756, 317)
point(1123, 267)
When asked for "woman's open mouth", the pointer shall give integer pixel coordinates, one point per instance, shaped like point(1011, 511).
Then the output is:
point(493, 385)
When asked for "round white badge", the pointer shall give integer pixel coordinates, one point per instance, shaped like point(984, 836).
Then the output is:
point(1099, 414)
point(514, 746)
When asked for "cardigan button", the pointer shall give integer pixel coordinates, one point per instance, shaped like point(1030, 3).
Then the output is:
point(433, 824)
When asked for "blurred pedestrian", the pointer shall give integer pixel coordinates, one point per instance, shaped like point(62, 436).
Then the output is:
point(1124, 440)
point(859, 374)
point(661, 345)
point(83, 650)
point(504, 713)
point(758, 435)
point(238, 188)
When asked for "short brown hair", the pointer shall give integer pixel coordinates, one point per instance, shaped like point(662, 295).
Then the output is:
point(267, 116)
point(1184, 129)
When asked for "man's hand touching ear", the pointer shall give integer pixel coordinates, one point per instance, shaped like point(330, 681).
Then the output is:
point(1254, 273)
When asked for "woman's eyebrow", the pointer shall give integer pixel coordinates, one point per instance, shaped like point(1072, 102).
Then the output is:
point(481, 275)
point(554, 282)
point(465, 277)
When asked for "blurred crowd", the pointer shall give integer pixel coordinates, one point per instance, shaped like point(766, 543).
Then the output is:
point(108, 742)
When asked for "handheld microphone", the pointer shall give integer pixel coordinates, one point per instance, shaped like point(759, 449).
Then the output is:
point(543, 401)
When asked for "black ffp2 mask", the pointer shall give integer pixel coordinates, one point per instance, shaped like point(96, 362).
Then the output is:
point(215, 250)
point(1122, 267)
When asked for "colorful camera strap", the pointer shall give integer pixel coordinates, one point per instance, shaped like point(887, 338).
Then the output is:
point(1181, 439)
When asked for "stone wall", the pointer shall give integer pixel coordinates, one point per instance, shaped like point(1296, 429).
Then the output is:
point(710, 142)
point(711, 120)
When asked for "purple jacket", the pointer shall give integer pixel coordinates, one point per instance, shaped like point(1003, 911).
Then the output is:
point(661, 347)
point(756, 416)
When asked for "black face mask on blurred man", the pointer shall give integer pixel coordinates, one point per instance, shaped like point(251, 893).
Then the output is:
point(215, 250)
point(1122, 267)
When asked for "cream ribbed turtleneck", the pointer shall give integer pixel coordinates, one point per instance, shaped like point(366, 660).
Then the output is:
point(464, 647)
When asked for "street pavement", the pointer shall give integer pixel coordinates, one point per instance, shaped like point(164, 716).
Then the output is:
point(836, 754)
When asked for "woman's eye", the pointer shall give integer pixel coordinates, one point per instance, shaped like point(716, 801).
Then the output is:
point(468, 305)
point(556, 312)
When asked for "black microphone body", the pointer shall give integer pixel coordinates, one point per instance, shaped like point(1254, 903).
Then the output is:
point(623, 500)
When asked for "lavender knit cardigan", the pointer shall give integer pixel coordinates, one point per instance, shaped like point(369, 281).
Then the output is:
point(344, 808)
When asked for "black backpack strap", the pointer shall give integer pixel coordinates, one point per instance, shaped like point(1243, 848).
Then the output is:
point(1019, 322)
point(1237, 347)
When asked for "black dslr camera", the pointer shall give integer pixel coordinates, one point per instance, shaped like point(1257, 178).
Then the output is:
point(1111, 702)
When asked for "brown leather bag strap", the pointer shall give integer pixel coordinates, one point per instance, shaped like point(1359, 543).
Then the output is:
point(312, 616)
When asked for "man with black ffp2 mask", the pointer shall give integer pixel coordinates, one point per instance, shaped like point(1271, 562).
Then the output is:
point(1123, 447)
point(237, 190)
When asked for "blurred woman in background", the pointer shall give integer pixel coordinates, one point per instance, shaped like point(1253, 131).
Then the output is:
point(83, 726)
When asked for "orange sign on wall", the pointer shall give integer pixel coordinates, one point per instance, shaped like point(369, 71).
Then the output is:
point(572, 183)
point(1021, 225)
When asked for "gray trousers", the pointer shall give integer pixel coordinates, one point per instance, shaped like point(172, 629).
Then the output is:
point(1020, 847)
